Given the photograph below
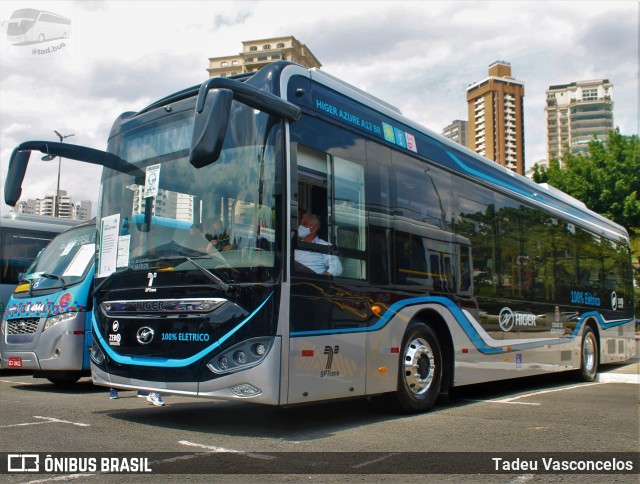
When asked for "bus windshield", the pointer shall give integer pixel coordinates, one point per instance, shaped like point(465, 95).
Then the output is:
point(221, 215)
point(65, 261)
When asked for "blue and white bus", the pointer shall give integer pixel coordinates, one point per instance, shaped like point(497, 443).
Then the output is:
point(22, 237)
point(452, 269)
point(46, 328)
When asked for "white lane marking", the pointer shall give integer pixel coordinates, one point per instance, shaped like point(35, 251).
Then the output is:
point(47, 420)
point(70, 477)
point(618, 378)
point(373, 461)
point(17, 382)
point(542, 392)
point(214, 448)
point(513, 400)
point(58, 420)
point(521, 479)
point(499, 401)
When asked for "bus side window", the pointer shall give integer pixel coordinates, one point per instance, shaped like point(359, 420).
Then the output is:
point(332, 188)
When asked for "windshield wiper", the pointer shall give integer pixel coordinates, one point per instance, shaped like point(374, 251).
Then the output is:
point(45, 275)
point(219, 282)
point(223, 285)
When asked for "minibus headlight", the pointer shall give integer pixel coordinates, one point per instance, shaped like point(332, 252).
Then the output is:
point(58, 318)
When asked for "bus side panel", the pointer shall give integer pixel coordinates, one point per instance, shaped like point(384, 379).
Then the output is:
point(617, 343)
point(477, 357)
point(326, 366)
point(64, 349)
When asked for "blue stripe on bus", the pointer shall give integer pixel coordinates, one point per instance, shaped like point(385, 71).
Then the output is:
point(172, 362)
point(511, 187)
point(465, 324)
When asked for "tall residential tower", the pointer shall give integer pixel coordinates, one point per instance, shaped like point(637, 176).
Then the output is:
point(575, 113)
point(496, 117)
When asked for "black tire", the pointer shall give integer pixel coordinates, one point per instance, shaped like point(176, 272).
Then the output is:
point(589, 356)
point(64, 379)
point(420, 370)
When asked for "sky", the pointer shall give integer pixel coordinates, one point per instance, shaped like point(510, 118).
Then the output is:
point(417, 55)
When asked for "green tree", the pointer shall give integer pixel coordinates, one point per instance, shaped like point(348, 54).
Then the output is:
point(607, 179)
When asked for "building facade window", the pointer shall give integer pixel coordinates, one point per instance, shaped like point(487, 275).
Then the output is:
point(589, 94)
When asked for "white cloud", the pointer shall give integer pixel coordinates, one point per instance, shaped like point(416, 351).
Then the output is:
point(419, 56)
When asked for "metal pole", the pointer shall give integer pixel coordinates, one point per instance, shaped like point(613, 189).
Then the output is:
point(56, 207)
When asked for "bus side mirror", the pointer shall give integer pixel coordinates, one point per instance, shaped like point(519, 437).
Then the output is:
point(15, 175)
point(209, 128)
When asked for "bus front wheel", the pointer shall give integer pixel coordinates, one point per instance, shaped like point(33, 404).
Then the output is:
point(420, 370)
point(588, 355)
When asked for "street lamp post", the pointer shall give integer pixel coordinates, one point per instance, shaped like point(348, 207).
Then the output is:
point(56, 208)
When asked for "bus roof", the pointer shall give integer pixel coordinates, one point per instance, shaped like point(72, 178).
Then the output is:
point(38, 222)
point(450, 155)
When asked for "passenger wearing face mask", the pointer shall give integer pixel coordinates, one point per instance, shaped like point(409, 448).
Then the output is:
point(317, 262)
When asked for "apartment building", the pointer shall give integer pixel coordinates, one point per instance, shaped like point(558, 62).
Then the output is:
point(496, 117)
point(577, 112)
point(258, 53)
point(456, 131)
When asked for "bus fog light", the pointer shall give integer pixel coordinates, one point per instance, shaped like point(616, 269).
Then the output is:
point(245, 390)
point(240, 357)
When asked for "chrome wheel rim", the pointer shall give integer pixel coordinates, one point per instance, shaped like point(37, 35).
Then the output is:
point(419, 366)
point(589, 353)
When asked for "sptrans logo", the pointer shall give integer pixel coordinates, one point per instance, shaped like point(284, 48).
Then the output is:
point(508, 319)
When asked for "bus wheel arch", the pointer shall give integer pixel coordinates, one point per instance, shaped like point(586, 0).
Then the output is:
point(589, 352)
point(424, 366)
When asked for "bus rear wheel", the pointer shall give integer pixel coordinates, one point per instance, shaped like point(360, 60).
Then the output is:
point(588, 355)
point(420, 370)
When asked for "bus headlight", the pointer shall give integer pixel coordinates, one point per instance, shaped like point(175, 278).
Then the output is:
point(241, 356)
point(96, 354)
point(58, 318)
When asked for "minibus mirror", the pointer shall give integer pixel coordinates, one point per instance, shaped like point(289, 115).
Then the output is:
point(15, 175)
point(209, 128)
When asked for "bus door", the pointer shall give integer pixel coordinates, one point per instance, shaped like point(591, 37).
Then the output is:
point(328, 313)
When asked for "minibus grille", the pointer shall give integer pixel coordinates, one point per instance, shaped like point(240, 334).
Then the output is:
point(22, 326)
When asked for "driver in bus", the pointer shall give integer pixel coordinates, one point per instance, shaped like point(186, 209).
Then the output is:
point(217, 236)
point(326, 264)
